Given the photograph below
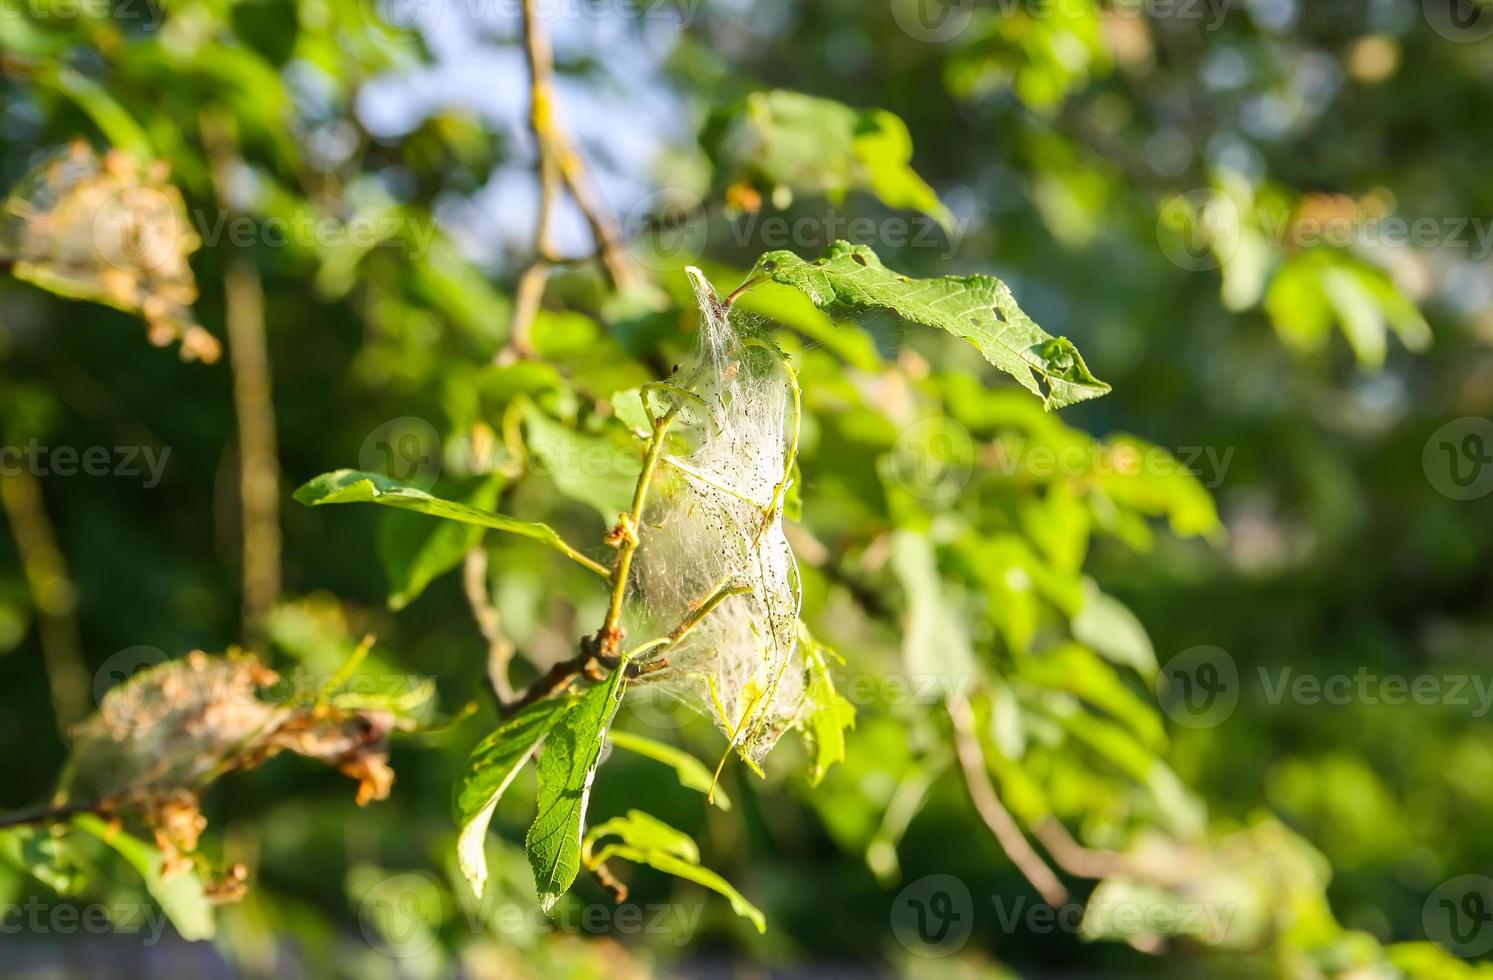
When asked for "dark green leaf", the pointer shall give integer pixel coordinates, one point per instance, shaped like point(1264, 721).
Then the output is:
point(491, 768)
point(565, 772)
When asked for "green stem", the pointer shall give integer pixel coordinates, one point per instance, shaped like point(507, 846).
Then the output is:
point(622, 569)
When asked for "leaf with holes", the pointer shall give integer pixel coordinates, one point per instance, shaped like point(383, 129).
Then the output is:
point(851, 280)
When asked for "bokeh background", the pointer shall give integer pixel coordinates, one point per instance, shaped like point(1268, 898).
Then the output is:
point(1266, 223)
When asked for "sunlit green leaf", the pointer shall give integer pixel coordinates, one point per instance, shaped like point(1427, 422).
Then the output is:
point(416, 553)
point(648, 840)
point(355, 487)
point(181, 896)
point(490, 770)
point(566, 769)
point(980, 309)
point(692, 772)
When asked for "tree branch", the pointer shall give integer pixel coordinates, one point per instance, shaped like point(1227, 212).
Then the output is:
point(49, 815)
point(560, 162)
point(982, 794)
point(499, 648)
point(253, 402)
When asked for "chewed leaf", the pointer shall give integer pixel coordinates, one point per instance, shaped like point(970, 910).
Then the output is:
point(357, 487)
point(491, 769)
point(565, 772)
point(979, 309)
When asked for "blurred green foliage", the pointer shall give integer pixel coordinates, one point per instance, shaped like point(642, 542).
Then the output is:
point(1263, 224)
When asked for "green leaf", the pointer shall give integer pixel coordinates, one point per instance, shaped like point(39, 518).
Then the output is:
point(936, 644)
point(181, 897)
point(793, 140)
point(691, 771)
point(566, 769)
point(356, 487)
point(646, 832)
point(593, 470)
point(830, 713)
point(979, 309)
point(491, 769)
point(1113, 631)
point(45, 857)
point(648, 840)
point(415, 554)
point(1078, 671)
point(112, 119)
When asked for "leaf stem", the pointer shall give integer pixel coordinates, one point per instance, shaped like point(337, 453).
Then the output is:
point(741, 290)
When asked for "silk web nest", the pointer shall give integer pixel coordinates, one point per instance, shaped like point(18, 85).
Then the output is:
point(714, 524)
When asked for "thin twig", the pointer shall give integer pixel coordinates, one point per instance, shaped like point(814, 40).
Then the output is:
point(499, 647)
point(705, 609)
point(48, 815)
point(259, 468)
point(739, 291)
point(527, 298)
point(558, 156)
point(559, 163)
point(982, 794)
point(530, 291)
point(551, 682)
point(610, 882)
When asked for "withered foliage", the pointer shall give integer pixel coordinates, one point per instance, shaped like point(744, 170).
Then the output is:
point(112, 230)
point(161, 738)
